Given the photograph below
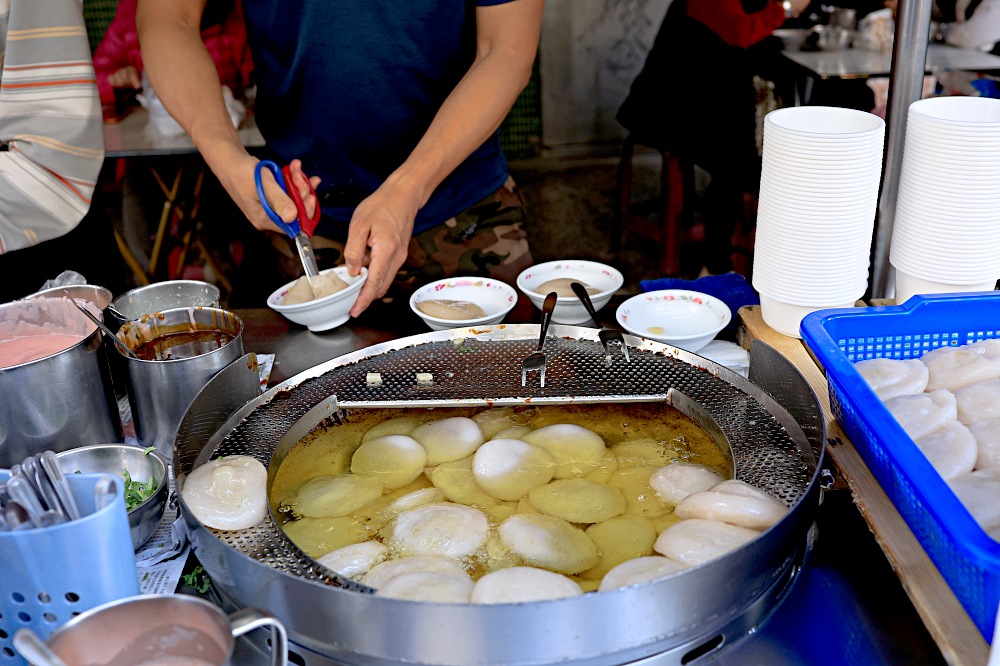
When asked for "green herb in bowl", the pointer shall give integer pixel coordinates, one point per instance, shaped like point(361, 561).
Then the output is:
point(137, 492)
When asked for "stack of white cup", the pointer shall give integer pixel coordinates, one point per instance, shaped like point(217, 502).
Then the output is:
point(946, 233)
point(818, 198)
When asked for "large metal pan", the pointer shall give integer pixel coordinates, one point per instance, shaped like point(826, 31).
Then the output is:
point(673, 620)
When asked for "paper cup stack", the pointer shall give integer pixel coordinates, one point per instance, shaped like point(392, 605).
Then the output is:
point(946, 233)
point(818, 198)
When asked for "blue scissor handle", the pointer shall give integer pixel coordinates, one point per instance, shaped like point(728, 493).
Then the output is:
point(291, 228)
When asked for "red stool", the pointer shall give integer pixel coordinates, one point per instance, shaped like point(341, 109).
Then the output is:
point(662, 218)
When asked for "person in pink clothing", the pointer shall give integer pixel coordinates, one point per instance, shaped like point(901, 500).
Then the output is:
point(118, 62)
point(119, 69)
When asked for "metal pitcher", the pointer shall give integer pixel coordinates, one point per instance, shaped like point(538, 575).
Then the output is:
point(160, 390)
point(62, 400)
point(138, 629)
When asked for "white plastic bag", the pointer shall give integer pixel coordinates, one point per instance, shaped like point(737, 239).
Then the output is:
point(876, 31)
point(163, 123)
point(727, 354)
point(64, 279)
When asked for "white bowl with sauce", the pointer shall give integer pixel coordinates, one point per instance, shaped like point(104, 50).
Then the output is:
point(685, 319)
point(601, 280)
point(460, 296)
point(321, 314)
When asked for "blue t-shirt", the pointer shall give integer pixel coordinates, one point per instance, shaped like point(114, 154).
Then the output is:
point(350, 86)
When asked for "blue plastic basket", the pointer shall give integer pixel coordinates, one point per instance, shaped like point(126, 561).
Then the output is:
point(968, 559)
point(50, 575)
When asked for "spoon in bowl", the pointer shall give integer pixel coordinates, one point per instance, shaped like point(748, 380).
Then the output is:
point(107, 331)
point(608, 336)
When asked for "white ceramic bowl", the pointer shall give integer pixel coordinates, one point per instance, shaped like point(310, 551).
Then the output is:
point(496, 298)
point(569, 310)
point(325, 313)
point(678, 317)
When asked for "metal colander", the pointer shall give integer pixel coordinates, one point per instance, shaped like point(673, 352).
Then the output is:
point(482, 368)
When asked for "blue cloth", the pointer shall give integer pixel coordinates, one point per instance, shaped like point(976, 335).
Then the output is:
point(731, 288)
point(350, 87)
point(987, 88)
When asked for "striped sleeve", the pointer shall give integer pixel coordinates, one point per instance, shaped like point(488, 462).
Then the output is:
point(51, 136)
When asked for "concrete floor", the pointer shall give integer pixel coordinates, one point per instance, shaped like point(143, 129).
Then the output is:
point(569, 206)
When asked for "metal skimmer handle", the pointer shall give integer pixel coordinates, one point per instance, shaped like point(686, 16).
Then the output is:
point(248, 619)
point(547, 307)
point(581, 293)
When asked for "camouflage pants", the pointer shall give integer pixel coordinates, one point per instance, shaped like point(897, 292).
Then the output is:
point(488, 239)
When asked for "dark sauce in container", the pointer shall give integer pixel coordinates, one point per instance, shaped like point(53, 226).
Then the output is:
point(183, 344)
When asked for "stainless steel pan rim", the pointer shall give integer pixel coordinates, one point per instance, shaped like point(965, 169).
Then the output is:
point(261, 567)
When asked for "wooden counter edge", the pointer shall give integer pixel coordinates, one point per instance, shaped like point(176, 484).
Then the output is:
point(946, 620)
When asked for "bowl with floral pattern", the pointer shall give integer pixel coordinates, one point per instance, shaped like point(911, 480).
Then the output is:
point(460, 302)
point(600, 280)
point(679, 317)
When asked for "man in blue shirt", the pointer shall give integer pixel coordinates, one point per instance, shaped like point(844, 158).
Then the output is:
point(390, 107)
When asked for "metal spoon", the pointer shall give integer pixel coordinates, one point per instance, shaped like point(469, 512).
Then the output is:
point(16, 516)
point(51, 518)
point(33, 475)
point(50, 465)
point(107, 331)
point(105, 492)
point(34, 649)
point(23, 495)
point(117, 313)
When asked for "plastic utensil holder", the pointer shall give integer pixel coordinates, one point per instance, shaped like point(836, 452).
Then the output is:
point(49, 575)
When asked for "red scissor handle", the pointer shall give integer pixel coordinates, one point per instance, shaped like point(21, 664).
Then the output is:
point(307, 223)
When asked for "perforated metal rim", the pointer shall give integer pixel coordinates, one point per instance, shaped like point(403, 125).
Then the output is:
point(486, 364)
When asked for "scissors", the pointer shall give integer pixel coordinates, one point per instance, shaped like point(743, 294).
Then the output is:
point(299, 229)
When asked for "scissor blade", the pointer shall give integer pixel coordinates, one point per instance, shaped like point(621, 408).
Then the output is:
point(306, 255)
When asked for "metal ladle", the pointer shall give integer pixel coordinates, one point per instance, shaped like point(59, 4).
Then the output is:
point(107, 331)
point(34, 649)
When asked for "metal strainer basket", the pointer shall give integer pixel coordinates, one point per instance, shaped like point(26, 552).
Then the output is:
point(334, 623)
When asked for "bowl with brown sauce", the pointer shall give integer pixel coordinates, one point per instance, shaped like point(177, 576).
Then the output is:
point(460, 302)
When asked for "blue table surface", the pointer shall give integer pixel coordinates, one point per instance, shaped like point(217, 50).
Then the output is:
point(846, 607)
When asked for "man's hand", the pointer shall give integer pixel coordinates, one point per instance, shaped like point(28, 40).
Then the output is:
point(382, 223)
point(126, 77)
point(799, 6)
point(237, 177)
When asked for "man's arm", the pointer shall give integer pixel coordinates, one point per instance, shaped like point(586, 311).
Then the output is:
point(50, 122)
point(183, 75)
point(506, 43)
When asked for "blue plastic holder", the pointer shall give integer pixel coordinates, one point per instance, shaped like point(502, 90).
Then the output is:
point(968, 559)
point(49, 575)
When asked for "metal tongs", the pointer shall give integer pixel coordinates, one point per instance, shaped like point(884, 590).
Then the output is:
point(536, 359)
point(607, 336)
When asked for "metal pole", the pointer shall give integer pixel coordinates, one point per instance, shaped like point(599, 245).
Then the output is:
point(906, 82)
